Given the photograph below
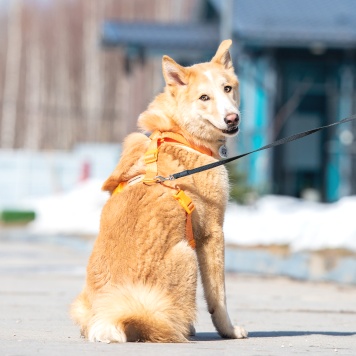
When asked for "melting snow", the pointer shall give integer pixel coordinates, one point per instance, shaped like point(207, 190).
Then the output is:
point(271, 220)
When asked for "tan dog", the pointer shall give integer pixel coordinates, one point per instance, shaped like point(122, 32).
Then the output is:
point(142, 274)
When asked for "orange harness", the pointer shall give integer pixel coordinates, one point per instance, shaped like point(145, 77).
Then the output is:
point(150, 178)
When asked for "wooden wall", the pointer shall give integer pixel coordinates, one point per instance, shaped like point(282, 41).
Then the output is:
point(58, 86)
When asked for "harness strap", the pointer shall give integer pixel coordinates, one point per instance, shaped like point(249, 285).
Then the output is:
point(151, 155)
point(188, 206)
point(150, 158)
point(189, 232)
point(123, 185)
point(150, 178)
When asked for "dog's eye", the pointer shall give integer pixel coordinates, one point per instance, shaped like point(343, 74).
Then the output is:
point(204, 98)
point(227, 89)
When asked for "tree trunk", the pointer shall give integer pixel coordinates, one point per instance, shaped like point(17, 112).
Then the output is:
point(92, 76)
point(33, 87)
point(62, 82)
point(12, 75)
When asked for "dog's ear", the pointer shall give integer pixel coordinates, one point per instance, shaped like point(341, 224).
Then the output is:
point(173, 73)
point(222, 55)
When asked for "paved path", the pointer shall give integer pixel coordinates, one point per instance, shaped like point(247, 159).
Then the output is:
point(38, 281)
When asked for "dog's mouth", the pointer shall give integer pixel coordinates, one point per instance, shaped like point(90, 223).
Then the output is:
point(231, 130)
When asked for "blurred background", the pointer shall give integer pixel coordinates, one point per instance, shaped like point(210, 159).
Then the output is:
point(75, 75)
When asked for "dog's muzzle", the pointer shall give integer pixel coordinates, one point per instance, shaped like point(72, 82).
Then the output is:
point(232, 122)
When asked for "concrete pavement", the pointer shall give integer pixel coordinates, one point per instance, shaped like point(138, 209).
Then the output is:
point(40, 277)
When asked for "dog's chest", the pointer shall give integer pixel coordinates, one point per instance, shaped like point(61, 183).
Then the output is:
point(214, 184)
point(211, 185)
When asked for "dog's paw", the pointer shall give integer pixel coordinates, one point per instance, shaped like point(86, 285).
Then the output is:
point(236, 332)
point(240, 333)
point(106, 333)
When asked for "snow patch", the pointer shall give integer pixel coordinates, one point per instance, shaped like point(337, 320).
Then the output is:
point(272, 220)
point(276, 220)
point(74, 213)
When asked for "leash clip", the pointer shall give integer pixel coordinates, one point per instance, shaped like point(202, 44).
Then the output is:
point(160, 179)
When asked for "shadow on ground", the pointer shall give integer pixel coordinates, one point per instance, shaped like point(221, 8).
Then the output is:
point(211, 336)
point(298, 333)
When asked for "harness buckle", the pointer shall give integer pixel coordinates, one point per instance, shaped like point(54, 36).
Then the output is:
point(160, 179)
point(185, 201)
point(151, 156)
point(149, 181)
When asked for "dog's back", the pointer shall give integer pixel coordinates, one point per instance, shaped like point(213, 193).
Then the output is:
point(140, 257)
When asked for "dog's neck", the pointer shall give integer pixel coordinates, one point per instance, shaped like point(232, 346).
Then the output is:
point(212, 145)
point(160, 117)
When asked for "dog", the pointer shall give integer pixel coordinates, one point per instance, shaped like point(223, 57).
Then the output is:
point(142, 274)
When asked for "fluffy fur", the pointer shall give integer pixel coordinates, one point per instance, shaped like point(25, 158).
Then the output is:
point(142, 274)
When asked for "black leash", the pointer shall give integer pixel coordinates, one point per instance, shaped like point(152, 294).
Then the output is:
point(270, 145)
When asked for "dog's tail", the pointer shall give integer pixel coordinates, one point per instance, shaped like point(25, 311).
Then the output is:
point(138, 312)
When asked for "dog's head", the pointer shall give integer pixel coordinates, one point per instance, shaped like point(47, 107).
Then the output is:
point(206, 94)
point(201, 101)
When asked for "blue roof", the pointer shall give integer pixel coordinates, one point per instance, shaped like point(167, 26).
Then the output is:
point(263, 23)
point(294, 22)
point(161, 36)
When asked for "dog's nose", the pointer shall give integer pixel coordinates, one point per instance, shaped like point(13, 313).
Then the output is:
point(232, 119)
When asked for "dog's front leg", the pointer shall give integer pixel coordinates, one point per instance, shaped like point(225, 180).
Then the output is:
point(210, 253)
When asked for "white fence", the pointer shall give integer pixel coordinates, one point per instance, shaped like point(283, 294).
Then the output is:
point(26, 174)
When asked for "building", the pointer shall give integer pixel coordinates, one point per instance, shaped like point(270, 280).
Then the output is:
point(296, 61)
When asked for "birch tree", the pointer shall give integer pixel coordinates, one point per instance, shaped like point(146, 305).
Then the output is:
point(12, 72)
point(91, 100)
point(62, 82)
point(34, 69)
